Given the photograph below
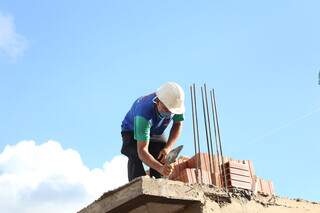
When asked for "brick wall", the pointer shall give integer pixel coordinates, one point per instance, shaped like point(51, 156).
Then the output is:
point(239, 173)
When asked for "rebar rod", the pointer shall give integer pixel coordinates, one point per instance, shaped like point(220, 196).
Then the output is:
point(209, 130)
point(219, 139)
point(205, 124)
point(197, 130)
point(216, 137)
point(194, 131)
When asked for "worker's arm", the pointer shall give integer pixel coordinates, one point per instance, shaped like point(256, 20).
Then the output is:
point(175, 133)
point(147, 158)
point(142, 135)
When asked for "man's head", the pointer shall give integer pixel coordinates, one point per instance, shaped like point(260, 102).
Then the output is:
point(170, 98)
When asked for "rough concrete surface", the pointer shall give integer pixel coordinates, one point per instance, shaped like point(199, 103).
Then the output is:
point(144, 195)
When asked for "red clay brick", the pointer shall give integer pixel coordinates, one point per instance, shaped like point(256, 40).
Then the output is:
point(215, 164)
point(186, 176)
point(239, 178)
point(251, 168)
point(238, 184)
point(216, 172)
point(271, 187)
point(206, 176)
point(203, 161)
point(238, 175)
point(189, 175)
point(264, 187)
point(178, 166)
point(238, 165)
point(237, 172)
point(218, 180)
point(257, 185)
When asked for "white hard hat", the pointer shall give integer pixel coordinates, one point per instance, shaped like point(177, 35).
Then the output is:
point(172, 96)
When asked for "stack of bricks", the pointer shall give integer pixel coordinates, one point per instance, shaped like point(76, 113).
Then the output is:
point(179, 168)
point(264, 187)
point(185, 170)
point(192, 175)
point(239, 173)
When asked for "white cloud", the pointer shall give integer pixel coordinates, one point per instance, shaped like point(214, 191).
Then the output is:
point(12, 44)
point(47, 178)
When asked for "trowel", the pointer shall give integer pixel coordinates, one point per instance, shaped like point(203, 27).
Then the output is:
point(173, 154)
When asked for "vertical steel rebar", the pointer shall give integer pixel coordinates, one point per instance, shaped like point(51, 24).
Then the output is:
point(197, 129)
point(206, 125)
point(194, 131)
point(219, 139)
point(209, 131)
point(216, 137)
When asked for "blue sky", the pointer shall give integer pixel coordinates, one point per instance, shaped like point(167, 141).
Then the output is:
point(83, 64)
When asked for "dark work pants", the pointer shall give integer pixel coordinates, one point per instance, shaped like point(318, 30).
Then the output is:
point(129, 149)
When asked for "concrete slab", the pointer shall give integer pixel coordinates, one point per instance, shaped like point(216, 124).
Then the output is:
point(145, 194)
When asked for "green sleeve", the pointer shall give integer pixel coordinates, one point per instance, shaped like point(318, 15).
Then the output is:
point(141, 129)
point(178, 117)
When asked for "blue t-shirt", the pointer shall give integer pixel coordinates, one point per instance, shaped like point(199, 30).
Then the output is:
point(144, 120)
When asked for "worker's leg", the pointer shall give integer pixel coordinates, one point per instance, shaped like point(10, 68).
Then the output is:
point(129, 149)
point(135, 168)
point(155, 146)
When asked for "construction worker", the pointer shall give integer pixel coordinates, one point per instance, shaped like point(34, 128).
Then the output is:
point(143, 127)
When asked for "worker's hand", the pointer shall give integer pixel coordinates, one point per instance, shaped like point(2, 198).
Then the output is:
point(163, 154)
point(166, 170)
